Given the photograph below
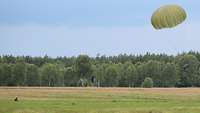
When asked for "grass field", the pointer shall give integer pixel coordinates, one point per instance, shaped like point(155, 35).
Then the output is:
point(99, 100)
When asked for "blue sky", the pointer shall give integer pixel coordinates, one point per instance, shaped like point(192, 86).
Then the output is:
point(110, 27)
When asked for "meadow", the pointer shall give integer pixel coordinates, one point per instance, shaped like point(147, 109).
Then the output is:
point(99, 100)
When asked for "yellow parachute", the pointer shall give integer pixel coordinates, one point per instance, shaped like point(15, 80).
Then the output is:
point(168, 16)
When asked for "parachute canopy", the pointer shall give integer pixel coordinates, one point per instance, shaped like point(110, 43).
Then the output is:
point(168, 16)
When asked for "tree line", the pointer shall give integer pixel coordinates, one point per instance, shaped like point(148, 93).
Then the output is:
point(158, 70)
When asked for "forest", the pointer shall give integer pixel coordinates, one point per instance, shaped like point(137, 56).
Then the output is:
point(148, 70)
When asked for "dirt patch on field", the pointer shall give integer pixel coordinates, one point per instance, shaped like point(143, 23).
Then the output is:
point(44, 92)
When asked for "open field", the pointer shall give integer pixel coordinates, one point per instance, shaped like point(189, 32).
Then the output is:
point(99, 100)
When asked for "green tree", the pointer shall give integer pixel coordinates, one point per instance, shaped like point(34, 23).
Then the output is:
point(6, 75)
point(111, 76)
point(32, 75)
point(83, 67)
point(154, 70)
point(187, 70)
point(169, 75)
point(70, 77)
point(126, 78)
point(1, 60)
point(50, 75)
point(99, 73)
point(151, 69)
point(19, 72)
point(2, 76)
point(122, 70)
point(148, 83)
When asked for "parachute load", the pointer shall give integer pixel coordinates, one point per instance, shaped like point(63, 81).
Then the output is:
point(168, 16)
